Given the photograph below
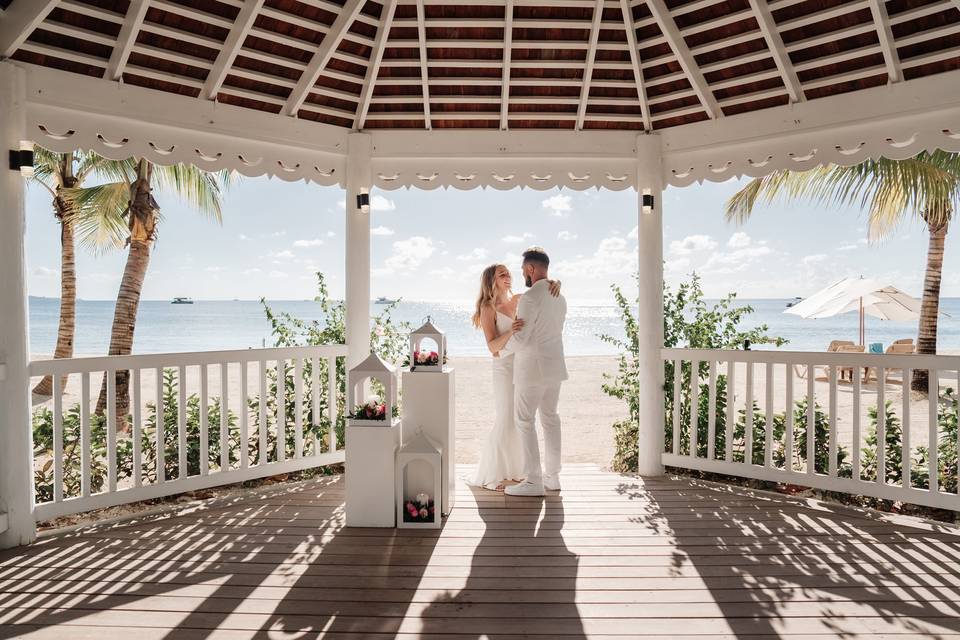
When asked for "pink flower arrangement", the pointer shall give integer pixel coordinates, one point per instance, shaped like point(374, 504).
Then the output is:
point(420, 509)
point(426, 358)
point(372, 409)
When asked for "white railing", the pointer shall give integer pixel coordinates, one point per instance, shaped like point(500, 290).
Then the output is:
point(855, 448)
point(270, 411)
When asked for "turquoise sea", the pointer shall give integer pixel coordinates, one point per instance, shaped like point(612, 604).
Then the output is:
point(209, 325)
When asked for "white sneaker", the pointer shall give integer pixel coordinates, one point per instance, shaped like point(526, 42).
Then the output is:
point(524, 489)
point(551, 483)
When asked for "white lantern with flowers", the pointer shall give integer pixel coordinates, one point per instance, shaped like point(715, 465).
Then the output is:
point(428, 348)
point(364, 408)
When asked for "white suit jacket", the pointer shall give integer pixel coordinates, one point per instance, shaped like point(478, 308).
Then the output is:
point(538, 346)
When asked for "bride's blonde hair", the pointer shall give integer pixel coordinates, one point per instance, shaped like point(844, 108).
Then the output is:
point(488, 291)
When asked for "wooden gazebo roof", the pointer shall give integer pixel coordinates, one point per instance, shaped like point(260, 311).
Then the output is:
point(496, 64)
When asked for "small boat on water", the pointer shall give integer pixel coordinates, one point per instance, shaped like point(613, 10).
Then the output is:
point(383, 300)
point(181, 301)
point(794, 301)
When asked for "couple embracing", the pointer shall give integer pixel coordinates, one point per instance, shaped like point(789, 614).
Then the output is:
point(524, 333)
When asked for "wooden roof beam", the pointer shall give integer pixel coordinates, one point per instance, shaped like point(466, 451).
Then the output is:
point(19, 21)
point(505, 78)
point(679, 46)
point(591, 58)
point(373, 69)
point(627, 12)
point(235, 39)
point(322, 55)
point(768, 27)
point(424, 71)
point(126, 38)
point(878, 10)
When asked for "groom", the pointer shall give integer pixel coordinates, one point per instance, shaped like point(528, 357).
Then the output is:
point(538, 370)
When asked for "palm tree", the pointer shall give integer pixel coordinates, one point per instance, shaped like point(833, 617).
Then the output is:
point(926, 186)
point(125, 213)
point(60, 174)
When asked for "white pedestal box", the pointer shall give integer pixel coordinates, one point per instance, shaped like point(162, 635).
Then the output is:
point(429, 404)
point(370, 457)
point(418, 474)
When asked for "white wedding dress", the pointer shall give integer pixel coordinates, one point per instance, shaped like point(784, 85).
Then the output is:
point(501, 457)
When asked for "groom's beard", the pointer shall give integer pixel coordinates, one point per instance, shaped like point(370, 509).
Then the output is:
point(527, 280)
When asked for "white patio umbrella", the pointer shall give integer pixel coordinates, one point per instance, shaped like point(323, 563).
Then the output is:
point(867, 296)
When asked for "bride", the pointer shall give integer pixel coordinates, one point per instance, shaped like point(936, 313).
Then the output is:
point(501, 457)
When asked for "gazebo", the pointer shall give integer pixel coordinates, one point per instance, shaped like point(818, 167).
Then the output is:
point(502, 94)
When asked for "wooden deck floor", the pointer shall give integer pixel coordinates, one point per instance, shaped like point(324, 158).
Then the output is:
point(611, 556)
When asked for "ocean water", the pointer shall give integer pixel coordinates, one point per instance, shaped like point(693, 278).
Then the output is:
point(209, 325)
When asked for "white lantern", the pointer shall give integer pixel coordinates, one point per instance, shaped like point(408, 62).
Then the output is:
point(422, 343)
point(364, 410)
point(418, 484)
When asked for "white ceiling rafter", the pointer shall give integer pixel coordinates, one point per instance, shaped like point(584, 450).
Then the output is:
point(373, 68)
point(505, 78)
point(235, 39)
point(591, 58)
point(322, 55)
point(635, 62)
point(679, 46)
point(126, 38)
point(878, 10)
point(424, 71)
point(768, 27)
point(19, 21)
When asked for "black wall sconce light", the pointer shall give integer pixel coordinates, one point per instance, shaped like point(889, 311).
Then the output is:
point(22, 159)
point(363, 201)
point(646, 201)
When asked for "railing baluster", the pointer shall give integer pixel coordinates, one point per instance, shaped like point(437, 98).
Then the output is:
point(731, 409)
point(748, 416)
point(244, 417)
point(204, 421)
point(137, 430)
point(160, 440)
point(332, 402)
point(832, 436)
point(905, 422)
point(788, 402)
point(933, 400)
point(298, 407)
point(315, 402)
point(57, 438)
point(112, 420)
point(281, 410)
point(182, 422)
point(224, 419)
point(768, 425)
point(881, 426)
point(85, 434)
point(677, 365)
point(811, 427)
point(856, 422)
point(694, 406)
point(263, 458)
point(712, 412)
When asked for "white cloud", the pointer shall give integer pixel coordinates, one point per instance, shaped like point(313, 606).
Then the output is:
point(634, 233)
point(315, 242)
point(243, 236)
point(277, 274)
point(46, 272)
point(692, 244)
point(286, 254)
point(278, 234)
point(445, 273)
point(558, 204)
point(735, 261)
point(614, 256)
point(381, 231)
point(478, 253)
point(566, 235)
point(410, 253)
point(330, 234)
point(515, 239)
point(738, 240)
point(814, 259)
point(214, 269)
point(250, 272)
point(848, 246)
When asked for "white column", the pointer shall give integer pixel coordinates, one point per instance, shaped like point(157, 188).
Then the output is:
point(16, 455)
point(650, 312)
point(357, 296)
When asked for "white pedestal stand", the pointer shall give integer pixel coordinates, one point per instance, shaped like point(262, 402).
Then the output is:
point(371, 490)
point(429, 404)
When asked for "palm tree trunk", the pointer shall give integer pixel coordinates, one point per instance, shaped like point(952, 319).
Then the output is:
point(143, 218)
point(66, 330)
point(930, 305)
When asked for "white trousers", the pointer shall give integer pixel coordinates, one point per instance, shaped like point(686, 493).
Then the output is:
point(542, 399)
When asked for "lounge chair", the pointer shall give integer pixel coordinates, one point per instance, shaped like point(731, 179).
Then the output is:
point(901, 347)
point(801, 369)
point(846, 373)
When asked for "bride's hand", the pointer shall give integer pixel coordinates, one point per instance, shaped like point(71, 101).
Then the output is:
point(517, 325)
point(554, 287)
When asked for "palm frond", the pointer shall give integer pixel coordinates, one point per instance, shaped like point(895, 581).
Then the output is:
point(100, 215)
point(201, 189)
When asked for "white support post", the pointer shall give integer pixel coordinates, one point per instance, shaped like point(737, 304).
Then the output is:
point(357, 295)
point(650, 312)
point(16, 451)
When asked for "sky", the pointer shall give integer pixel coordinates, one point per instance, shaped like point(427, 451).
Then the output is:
point(432, 245)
